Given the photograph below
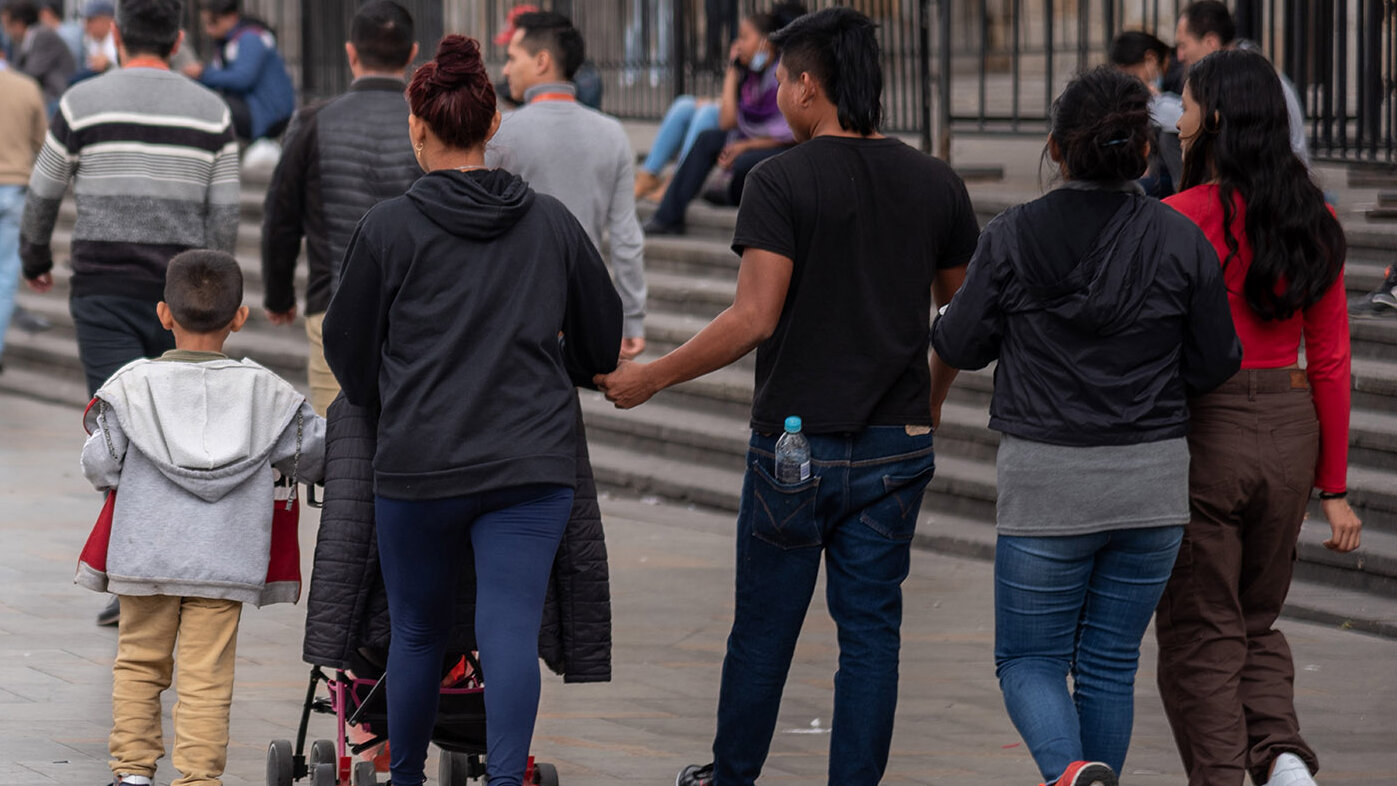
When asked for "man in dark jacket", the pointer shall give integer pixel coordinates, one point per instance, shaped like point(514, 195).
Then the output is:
point(38, 50)
point(340, 159)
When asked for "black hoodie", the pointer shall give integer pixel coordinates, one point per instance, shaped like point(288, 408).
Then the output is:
point(1105, 309)
point(447, 319)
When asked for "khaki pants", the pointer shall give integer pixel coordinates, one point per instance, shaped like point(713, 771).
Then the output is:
point(155, 629)
point(1225, 673)
point(323, 386)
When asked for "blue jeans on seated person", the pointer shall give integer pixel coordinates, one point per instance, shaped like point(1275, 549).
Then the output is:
point(515, 534)
point(682, 124)
point(1076, 604)
point(858, 512)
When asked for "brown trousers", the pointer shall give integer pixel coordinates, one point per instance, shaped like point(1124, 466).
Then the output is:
point(204, 633)
point(1225, 673)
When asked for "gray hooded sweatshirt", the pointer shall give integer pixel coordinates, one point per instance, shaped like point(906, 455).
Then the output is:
point(191, 446)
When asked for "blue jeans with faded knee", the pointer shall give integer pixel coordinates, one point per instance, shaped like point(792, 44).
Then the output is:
point(857, 514)
point(1079, 605)
point(515, 534)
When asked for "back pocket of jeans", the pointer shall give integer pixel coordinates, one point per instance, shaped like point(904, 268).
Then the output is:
point(784, 514)
point(895, 515)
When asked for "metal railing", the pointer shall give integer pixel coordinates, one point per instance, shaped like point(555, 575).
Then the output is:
point(950, 66)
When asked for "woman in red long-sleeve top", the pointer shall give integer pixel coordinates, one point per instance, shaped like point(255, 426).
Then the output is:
point(1263, 440)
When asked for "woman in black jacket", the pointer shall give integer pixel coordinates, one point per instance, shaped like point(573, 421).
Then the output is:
point(465, 311)
point(1105, 310)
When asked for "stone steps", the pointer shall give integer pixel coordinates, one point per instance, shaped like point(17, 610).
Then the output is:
point(690, 442)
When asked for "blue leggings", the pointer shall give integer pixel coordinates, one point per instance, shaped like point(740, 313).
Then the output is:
point(515, 533)
point(684, 121)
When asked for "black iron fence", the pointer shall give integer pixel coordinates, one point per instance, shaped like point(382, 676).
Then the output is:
point(951, 66)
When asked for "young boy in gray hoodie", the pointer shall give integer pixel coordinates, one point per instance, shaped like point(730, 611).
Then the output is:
point(189, 442)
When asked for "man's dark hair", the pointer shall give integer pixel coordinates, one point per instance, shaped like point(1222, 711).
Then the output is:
point(223, 7)
point(56, 6)
point(838, 48)
point(1210, 16)
point(22, 11)
point(1130, 48)
point(778, 17)
point(149, 27)
point(382, 32)
point(204, 289)
point(554, 32)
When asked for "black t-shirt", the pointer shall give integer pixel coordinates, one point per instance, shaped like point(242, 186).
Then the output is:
point(867, 223)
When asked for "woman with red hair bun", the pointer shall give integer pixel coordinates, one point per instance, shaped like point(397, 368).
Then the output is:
point(466, 311)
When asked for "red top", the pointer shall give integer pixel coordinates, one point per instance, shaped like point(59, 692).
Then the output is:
point(1276, 344)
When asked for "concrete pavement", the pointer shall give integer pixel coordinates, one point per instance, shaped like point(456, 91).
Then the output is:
point(671, 585)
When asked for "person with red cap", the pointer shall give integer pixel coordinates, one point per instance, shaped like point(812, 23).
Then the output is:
point(587, 80)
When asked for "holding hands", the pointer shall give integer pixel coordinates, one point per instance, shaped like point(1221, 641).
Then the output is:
point(628, 386)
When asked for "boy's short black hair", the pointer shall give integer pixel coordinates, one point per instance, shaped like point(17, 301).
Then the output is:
point(382, 33)
point(838, 48)
point(149, 27)
point(203, 289)
point(554, 32)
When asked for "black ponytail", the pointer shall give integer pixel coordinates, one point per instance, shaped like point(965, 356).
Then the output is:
point(1101, 124)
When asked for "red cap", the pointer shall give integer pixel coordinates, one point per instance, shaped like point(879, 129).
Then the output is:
point(503, 37)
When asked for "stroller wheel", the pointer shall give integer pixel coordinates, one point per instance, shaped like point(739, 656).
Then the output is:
point(545, 774)
point(322, 752)
point(323, 774)
point(363, 774)
point(279, 763)
point(453, 769)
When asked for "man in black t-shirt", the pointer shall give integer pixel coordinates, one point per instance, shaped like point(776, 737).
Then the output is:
point(844, 240)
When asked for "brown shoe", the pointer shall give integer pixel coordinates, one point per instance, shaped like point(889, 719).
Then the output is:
point(657, 194)
point(645, 183)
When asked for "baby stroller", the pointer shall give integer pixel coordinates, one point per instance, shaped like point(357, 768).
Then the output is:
point(356, 699)
point(347, 628)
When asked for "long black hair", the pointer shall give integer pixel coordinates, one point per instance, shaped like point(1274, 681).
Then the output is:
point(1243, 143)
point(1101, 124)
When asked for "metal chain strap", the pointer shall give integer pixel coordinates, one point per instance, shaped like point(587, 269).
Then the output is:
point(102, 424)
point(296, 459)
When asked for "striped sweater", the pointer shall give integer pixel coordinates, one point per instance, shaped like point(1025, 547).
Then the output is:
point(154, 168)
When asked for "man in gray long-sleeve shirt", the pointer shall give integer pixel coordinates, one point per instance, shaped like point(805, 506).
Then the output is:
point(576, 154)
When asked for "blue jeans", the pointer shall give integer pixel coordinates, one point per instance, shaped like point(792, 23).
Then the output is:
point(684, 121)
point(515, 534)
point(11, 208)
point(1076, 604)
point(858, 511)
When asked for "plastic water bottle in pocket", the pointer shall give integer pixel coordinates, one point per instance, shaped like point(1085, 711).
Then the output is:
point(792, 454)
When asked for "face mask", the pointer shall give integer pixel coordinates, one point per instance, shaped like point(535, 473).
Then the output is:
point(759, 60)
point(1157, 83)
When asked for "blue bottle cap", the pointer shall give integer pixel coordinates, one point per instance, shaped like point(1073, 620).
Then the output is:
point(793, 424)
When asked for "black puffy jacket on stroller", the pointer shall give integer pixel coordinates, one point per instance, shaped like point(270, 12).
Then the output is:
point(347, 608)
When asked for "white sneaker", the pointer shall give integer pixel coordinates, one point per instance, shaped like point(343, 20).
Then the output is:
point(262, 154)
point(1289, 770)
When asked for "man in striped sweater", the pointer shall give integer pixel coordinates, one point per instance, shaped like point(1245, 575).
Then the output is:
point(154, 168)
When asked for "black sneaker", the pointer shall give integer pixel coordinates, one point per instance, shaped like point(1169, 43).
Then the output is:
point(695, 775)
point(1380, 303)
point(111, 615)
point(653, 228)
